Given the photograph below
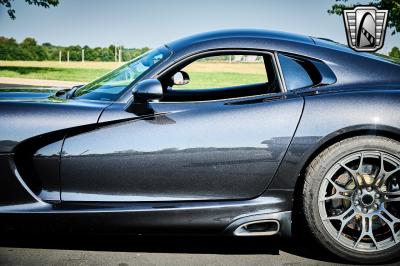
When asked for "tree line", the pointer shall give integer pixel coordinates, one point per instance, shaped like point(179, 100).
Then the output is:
point(30, 50)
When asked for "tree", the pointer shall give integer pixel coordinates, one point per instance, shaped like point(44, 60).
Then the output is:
point(392, 5)
point(395, 52)
point(41, 3)
point(28, 42)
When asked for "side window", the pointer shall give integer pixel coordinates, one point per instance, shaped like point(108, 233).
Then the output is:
point(294, 73)
point(222, 76)
point(225, 71)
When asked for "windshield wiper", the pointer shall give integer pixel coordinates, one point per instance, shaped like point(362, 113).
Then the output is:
point(62, 92)
point(69, 92)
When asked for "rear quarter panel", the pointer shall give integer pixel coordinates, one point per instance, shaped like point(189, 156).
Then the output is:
point(334, 116)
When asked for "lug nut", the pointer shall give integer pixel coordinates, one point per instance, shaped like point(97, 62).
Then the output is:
point(376, 206)
point(369, 189)
point(377, 196)
point(356, 202)
point(359, 192)
point(365, 210)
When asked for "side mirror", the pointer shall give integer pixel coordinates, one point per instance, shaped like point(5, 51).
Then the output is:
point(180, 78)
point(146, 90)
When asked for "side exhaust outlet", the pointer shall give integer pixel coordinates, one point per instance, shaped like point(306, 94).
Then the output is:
point(267, 224)
point(258, 228)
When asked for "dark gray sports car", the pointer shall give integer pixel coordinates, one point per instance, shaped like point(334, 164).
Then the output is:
point(309, 136)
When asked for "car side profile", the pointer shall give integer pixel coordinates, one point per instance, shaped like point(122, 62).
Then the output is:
point(313, 134)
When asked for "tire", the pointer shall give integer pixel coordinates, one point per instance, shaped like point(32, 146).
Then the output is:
point(321, 197)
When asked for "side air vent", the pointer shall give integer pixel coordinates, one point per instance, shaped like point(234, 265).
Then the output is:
point(258, 228)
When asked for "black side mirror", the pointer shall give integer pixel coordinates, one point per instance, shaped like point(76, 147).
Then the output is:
point(143, 92)
point(146, 90)
point(180, 78)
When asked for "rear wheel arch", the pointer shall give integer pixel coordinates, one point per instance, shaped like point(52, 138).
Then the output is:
point(332, 139)
point(346, 133)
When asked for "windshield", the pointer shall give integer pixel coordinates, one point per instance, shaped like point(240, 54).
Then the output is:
point(112, 85)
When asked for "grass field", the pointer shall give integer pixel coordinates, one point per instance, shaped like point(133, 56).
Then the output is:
point(203, 80)
point(202, 74)
point(66, 74)
point(71, 71)
point(56, 64)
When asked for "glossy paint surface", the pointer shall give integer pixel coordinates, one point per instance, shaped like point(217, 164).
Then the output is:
point(205, 217)
point(23, 118)
point(199, 151)
point(46, 166)
point(356, 113)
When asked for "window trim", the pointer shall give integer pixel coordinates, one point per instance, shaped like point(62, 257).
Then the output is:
point(206, 53)
point(282, 77)
point(325, 73)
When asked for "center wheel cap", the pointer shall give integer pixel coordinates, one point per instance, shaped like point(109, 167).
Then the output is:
point(367, 200)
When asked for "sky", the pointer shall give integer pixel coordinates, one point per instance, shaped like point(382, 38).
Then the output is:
point(151, 23)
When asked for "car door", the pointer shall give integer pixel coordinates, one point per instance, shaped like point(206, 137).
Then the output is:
point(225, 148)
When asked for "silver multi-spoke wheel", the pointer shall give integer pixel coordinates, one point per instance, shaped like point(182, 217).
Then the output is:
point(359, 201)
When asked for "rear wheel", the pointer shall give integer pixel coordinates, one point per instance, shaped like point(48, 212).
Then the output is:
point(351, 199)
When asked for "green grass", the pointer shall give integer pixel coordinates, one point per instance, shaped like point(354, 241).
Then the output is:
point(65, 74)
point(199, 80)
point(203, 80)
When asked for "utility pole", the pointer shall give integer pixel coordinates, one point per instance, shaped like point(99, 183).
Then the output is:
point(115, 53)
point(59, 56)
point(67, 56)
point(83, 55)
point(120, 54)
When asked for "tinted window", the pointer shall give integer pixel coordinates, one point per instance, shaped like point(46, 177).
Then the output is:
point(222, 76)
point(294, 73)
point(224, 71)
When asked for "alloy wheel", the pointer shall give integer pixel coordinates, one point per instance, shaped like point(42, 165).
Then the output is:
point(359, 201)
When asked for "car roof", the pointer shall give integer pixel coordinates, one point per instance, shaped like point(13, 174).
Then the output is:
point(279, 38)
point(229, 34)
point(349, 66)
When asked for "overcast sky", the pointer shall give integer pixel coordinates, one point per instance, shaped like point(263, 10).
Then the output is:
point(138, 23)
